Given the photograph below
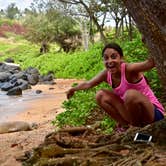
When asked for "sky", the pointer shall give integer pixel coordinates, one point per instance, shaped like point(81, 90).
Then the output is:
point(21, 4)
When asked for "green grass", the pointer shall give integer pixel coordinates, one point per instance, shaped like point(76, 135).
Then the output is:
point(74, 65)
point(5, 46)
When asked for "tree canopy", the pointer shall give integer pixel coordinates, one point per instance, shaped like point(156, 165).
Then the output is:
point(52, 25)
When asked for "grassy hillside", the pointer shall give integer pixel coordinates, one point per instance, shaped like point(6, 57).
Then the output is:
point(74, 65)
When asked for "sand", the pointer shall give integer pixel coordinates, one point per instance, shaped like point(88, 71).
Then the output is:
point(42, 111)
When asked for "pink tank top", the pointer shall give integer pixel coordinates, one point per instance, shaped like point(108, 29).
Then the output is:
point(141, 86)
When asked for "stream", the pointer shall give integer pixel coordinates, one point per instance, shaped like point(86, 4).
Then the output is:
point(51, 97)
point(11, 105)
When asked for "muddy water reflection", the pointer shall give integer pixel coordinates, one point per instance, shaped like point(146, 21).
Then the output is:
point(51, 97)
point(11, 105)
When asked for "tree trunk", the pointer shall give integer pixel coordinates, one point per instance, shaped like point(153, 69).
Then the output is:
point(130, 29)
point(117, 27)
point(85, 36)
point(91, 35)
point(150, 17)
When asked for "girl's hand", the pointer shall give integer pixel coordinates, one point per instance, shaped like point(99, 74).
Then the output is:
point(151, 61)
point(70, 93)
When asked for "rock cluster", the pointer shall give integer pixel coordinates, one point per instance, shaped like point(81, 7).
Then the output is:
point(13, 80)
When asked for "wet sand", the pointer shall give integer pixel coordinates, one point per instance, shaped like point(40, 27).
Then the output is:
point(29, 102)
point(41, 109)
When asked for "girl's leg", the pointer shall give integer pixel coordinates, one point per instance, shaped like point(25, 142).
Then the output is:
point(136, 109)
point(112, 104)
point(139, 110)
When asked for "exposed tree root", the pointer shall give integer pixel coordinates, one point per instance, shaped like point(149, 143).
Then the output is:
point(83, 146)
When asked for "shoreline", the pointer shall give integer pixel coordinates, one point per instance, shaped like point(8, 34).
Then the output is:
point(48, 104)
point(42, 112)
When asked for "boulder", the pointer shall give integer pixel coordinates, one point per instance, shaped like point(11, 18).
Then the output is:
point(15, 91)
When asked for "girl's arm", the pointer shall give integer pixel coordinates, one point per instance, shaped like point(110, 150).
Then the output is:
point(88, 84)
point(141, 66)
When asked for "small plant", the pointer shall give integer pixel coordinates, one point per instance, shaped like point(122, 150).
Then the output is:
point(107, 125)
point(78, 108)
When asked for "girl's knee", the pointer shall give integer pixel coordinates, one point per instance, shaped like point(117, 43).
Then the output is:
point(103, 95)
point(131, 96)
point(99, 95)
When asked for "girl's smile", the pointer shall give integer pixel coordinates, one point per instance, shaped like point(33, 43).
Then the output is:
point(112, 60)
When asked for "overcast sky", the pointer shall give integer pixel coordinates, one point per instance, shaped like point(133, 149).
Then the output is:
point(21, 4)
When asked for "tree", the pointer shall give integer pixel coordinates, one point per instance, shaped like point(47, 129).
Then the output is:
point(2, 13)
point(118, 12)
point(150, 17)
point(95, 10)
point(12, 11)
point(52, 26)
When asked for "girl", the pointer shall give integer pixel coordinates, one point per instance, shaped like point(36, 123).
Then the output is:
point(131, 102)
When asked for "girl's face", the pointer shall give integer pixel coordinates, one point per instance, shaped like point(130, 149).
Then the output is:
point(112, 60)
